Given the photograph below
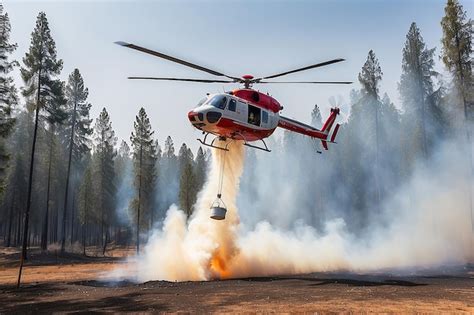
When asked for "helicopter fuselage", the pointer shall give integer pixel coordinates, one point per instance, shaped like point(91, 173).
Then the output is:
point(243, 114)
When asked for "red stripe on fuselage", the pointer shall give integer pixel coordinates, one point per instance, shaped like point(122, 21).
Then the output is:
point(231, 129)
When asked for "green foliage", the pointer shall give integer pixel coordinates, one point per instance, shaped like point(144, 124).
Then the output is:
point(168, 182)
point(8, 93)
point(78, 110)
point(370, 76)
point(200, 169)
point(188, 186)
point(416, 86)
point(40, 67)
point(85, 198)
point(457, 52)
point(417, 71)
point(103, 169)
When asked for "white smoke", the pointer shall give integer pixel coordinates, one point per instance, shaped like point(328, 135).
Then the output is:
point(426, 223)
point(201, 248)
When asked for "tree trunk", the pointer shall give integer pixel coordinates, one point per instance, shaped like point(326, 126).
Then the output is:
point(56, 225)
point(30, 183)
point(84, 230)
point(72, 215)
point(106, 241)
point(377, 182)
point(10, 221)
point(44, 234)
point(139, 198)
point(18, 230)
point(71, 144)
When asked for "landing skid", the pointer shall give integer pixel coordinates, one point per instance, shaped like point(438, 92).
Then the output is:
point(225, 148)
point(254, 146)
point(259, 148)
point(212, 145)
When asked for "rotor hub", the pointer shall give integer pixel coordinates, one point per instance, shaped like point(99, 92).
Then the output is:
point(247, 80)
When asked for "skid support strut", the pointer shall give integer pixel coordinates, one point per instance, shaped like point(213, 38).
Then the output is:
point(265, 148)
point(212, 145)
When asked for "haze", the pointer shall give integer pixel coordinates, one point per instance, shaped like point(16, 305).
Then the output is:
point(236, 37)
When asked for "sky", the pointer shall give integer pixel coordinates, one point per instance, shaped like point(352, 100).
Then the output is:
point(235, 37)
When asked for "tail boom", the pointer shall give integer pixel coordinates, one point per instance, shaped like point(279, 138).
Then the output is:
point(301, 128)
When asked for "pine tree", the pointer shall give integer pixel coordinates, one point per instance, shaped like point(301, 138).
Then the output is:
point(168, 176)
point(56, 117)
point(416, 83)
point(15, 193)
point(8, 93)
point(457, 56)
point(187, 185)
point(125, 191)
point(316, 119)
point(200, 169)
point(80, 129)
point(457, 53)
point(40, 68)
point(144, 161)
point(369, 78)
point(104, 174)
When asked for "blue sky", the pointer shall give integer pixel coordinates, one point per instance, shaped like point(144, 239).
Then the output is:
point(235, 37)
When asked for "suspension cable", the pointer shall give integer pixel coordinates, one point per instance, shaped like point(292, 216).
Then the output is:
point(221, 176)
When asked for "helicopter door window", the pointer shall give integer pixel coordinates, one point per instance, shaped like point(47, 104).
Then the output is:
point(254, 115)
point(264, 117)
point(232, 105)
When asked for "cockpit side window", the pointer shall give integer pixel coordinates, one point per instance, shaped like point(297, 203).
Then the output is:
point(218, 101)
point(264, 116)
point(232, 105)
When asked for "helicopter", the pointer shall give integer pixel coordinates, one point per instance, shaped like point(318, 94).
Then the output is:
point(244, 114)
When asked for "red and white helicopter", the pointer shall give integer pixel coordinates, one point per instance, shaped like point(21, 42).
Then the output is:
point(244, 114)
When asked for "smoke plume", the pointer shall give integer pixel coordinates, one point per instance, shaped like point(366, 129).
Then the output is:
point(424, 223)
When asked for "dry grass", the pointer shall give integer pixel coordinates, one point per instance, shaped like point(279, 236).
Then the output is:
point(69, 283)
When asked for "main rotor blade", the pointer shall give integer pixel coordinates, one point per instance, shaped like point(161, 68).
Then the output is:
point(174, 59)
point(322, 64)
point(181, 79)
point(306, 82)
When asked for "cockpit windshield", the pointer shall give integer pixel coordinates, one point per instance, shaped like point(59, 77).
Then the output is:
point(201, 102)
point(218, 101)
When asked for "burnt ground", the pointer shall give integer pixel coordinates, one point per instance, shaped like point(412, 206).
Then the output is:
point(68, 284)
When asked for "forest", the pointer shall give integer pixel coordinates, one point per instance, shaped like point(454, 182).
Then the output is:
point(67, 183)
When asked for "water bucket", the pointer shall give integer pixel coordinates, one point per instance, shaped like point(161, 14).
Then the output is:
point(218, 213)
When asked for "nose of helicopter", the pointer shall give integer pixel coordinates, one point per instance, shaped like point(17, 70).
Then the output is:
point(196, 118)
point(202, 117)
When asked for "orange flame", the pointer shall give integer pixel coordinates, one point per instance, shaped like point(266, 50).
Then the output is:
point(219, 265)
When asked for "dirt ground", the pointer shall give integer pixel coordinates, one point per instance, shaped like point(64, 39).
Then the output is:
point(76, 284)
